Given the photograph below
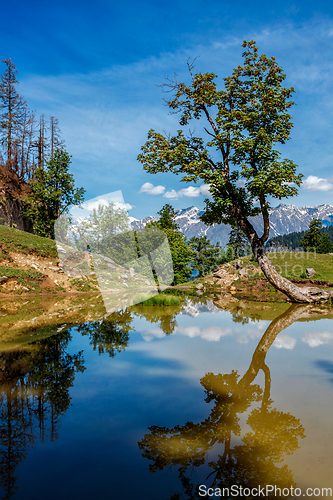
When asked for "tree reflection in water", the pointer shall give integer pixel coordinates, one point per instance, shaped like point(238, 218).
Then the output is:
point(34, 395)
point(273, 433)
point(109, 335)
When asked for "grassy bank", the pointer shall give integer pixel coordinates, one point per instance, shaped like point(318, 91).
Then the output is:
point(13, 240)
point(292, 265)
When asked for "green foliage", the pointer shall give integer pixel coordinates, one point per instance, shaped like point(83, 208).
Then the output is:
point(292, 265)
point(53, 192)
point(312, 237)
point(246, 120)
point(315, 239)
point(292, 241)
point(167, 218)
point(104, 223)
point(325, 245)
point(22, 275)
point(238, 242)
point(157, 300)
point(181, 253)
point(206, 256)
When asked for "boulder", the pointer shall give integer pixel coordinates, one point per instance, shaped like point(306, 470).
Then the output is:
point(310, 272)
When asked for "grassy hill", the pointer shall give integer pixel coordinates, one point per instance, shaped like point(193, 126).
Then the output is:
point(13, 240)
point(292, 265)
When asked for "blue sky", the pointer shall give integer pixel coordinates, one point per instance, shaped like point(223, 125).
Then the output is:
point(96, 67)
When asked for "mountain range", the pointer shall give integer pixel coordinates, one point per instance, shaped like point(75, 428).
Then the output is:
point(284, 219)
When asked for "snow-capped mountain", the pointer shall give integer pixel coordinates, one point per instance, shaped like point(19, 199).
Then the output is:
point(284, 219)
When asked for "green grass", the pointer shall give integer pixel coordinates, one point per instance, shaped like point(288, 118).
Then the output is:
point(292, 265)
point(21, 275)
point(157, 300)
point(14, 240)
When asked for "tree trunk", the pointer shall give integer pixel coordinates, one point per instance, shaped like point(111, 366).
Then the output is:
point(307, 294)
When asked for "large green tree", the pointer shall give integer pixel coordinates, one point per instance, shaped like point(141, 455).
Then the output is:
point(53, 192)
point(246, 120)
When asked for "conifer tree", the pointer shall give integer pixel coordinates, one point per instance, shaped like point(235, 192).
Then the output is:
point(13, 109)
point(238, 242)
point(181, 253)
point(312, 238)
point(206, 256)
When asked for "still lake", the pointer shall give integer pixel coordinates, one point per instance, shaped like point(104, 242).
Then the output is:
point(152, 402)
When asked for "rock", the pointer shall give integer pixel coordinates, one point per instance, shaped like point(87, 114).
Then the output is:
point(310, 272)
point(3, 279)
point(199, 286)
point(199, 293)
point(53, 268)
point(242, 272)
point(132, 272)
point(124, 277)
point(108, 259)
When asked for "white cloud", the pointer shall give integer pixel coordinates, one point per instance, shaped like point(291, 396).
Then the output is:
point(211, 334)
point(284, 342)
point(93, 205)
point(123, 206)
point(314, 183)
point(189, 192)
point(149, 188)
point(171, 194)
point(314, 339)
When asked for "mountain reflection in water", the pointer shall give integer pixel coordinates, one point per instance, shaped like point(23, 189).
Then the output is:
point(244, 438)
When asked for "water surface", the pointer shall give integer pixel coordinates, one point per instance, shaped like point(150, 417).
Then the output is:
point(151, 402)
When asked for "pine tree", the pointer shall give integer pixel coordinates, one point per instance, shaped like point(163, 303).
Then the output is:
point(181, 253)
point(12, 117)
point(206, 256)
point(325, 246)
point(238, 242)
point(312, 238)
